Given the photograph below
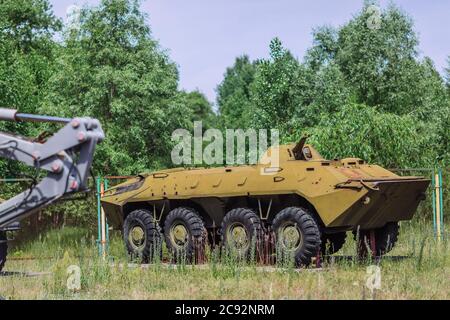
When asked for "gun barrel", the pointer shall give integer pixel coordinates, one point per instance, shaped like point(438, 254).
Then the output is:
point(13, 115)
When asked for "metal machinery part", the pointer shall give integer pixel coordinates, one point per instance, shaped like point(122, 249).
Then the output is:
point(66, 156)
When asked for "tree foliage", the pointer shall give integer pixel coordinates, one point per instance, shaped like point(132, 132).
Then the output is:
point(113, 70)
point(200, 108)
point(233, 93)
point(277, 89)
point(393, 140)
point(109, 66)
point(27, 51)
point(376, 69)
point(381, 65)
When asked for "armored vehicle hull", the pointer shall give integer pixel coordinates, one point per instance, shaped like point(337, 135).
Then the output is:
point(309, 203)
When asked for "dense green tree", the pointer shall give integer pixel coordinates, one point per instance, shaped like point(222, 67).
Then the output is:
point(324, 48)
point(280, 86)
point(201, 108)
point(391, 140)
point(27, 25)
point(427, 93)
point(27, 51)
point(380, 63)
point(113, 70)
point(233, 93)
point(374, 67)
point(292, 96)
point(442, 123)
point(327, 92)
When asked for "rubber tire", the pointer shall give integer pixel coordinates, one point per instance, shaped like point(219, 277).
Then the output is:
point(196, 229)
point(152, 248)
point(309, 229)
point(332, 242)
point(385, 239)
point(252, 224)
point(3, 250)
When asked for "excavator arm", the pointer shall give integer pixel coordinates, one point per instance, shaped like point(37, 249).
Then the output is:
point(66, 156)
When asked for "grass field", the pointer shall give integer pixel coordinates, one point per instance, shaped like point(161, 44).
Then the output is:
point(418, 268)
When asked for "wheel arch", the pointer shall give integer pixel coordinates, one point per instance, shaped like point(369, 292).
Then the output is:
point(279, 202)
point(300, 201)
point(213, 209)
point(163, 207)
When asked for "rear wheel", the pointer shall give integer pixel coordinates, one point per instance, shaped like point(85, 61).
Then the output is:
point(142, 236)
point(298, 236)
point(385, 239)
point(3, 249)
point(332, 242)
point(185, 234)
point(241, 232)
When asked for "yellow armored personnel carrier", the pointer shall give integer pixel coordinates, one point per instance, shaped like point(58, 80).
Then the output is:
point(309, 203)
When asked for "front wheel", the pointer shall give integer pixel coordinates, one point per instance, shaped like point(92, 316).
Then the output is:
point(298, 236)
point(142, 236)
point(3, 249)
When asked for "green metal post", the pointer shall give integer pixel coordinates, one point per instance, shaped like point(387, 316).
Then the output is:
point(106, 182)
point(441, 202)
point(99, 230)
point(438, 206)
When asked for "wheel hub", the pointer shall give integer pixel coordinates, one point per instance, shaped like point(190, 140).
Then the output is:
point(137, 236)
point(179, 235)
point(237, 236)
point(291, 237)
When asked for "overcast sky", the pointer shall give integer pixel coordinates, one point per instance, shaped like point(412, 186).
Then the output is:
point(204, 36)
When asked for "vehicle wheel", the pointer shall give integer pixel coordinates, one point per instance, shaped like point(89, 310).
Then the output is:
point(385, 239)
point(332, 242)
point(297, 234)
point(142, 236)
point(3, 250)
point(241, 233)
point(185, 234)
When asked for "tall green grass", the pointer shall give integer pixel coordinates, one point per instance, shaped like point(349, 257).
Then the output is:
point(417, 268)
